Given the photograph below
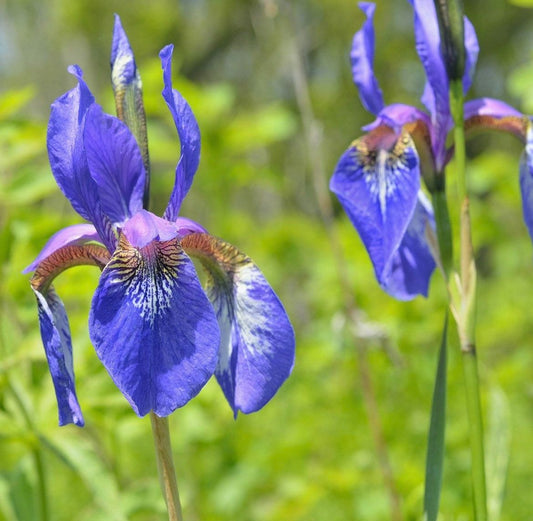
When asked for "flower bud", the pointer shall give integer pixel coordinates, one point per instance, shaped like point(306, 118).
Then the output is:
point(451, 22)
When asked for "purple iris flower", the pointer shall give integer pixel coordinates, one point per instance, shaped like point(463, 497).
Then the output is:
point(158, 333)
point(377, 179)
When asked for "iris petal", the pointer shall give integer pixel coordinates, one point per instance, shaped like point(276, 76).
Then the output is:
point(55, 330)
point(115, 164)
point(427, 36)
point(67, 236)
point(55, 333)
point(493, 114)
point(67, 155)
point(362, 59)
point(377, 182)
point(189, 135)
point(471, 52)
point(257, 339)
point(153, 327)
point(412, 264)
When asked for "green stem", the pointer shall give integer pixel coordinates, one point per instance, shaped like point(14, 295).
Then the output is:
point(444, 231)
point(465, 310)
point(165, 466)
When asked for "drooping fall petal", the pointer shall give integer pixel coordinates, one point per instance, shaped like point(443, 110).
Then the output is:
point(153, 327)
point(377, 182)
point(257, 340)
point(53, 321)
point(412, 265)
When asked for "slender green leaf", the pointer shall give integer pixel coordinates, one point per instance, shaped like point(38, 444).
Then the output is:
point(435, 450)
point(498, 451)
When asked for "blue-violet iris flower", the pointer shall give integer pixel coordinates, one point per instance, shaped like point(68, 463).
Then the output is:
point(157, 332)
point(377, 179)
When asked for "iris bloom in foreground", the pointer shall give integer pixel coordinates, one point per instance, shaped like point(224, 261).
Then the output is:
point(157, 332)
point(377, 179)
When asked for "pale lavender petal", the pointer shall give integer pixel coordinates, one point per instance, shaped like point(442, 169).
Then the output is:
point(396, 115)
point(153, 327)
point(75, 234)
point(145, 227)
point(189, 135)
point(362, 59)
point(489, 107)
point(187, 226)
point(115, 164)
point(257, 340)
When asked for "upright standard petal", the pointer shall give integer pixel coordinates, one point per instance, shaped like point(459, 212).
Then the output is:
point(115, 165)
point(55, 330)
point(362, 59)
point(257, 340)
point(153, 327)
point(428, 47)
point(67, 155)
point(471, 54)
point(412, 264)
point(377, 181)
point(189, 135)
point(65, 146)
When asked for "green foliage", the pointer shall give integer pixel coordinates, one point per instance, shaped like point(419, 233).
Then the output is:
point(309, 454)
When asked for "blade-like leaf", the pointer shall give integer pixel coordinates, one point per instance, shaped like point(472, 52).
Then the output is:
point(435, 449)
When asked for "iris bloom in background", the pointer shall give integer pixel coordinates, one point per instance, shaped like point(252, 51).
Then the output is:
point(377, 179)
point(157, 332)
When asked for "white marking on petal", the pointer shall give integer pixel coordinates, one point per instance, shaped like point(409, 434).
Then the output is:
point(149, 274)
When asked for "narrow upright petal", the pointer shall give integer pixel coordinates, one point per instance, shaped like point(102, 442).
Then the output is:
point(428, 47)
point(377, 181)
point(412, 264)
point(471, 51)
point(257, 340)
point(68, 159)
point(189, 135)
point(153, 327)
point(115, 165)
point(362, 59)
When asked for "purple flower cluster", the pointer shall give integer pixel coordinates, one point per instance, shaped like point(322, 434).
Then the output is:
point(158, 333)
point(377, 179)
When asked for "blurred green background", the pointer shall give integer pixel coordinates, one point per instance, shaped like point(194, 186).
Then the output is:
point(270, 84)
